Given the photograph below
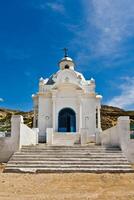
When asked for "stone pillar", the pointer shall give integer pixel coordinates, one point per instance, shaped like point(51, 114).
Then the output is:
point(99, 118)
point(84, 133)
point(16, 121)
point(98, 128)
point(126, 144)
point(80, 115)
point(54, 112)
point(35, 103)
point(41, 85)
point(123, 125)
point(49, 138)
point(34, 119)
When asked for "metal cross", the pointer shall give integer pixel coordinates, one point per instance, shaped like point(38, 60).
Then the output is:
point(65, 51)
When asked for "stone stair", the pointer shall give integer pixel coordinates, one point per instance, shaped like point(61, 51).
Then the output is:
point(45, 159)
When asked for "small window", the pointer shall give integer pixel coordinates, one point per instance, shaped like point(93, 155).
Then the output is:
point(66, 66)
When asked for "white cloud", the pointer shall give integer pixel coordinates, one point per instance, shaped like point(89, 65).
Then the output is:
point(55, 6)
point(114, 20)
point(1, 100)
point(107, 25)
point(126, 97)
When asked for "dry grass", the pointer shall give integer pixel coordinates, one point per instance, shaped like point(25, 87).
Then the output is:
point(66, 186)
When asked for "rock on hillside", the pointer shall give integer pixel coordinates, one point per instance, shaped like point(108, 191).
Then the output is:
point(109, 117)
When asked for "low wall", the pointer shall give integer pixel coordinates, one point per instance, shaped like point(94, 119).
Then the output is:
point(8, 145)
point(20, 135)
point(119, 135)
point(126, 144)
point(28, 136)
point(110, 137)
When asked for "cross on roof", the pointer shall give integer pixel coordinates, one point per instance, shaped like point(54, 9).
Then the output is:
point(65, 52)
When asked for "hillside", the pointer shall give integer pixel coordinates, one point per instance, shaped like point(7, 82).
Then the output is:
point(5, 118)
point(109, 117)
point(110, 114)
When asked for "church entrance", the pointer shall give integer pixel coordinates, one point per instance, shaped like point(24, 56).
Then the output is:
point(67, 120)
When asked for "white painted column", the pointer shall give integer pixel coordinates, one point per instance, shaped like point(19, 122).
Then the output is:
point(98, 128)
point(54, 110)
point(80, 115)
point(54, 114)
point(35, 104)
point(34, 119)
point(99, 118)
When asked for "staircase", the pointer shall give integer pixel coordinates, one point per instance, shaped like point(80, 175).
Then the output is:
point(46, 159)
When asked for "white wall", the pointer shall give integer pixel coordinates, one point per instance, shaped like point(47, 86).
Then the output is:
point(66, 98)
point(44, 116)
point(119, 135)
point(110, 137)
point(28, 136)
point(8, 145)
point(70, 90)
point(89, 115)
point(20, 135)
point(126, 144)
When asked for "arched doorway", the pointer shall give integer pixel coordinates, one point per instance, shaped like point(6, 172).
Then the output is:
point(67, 120)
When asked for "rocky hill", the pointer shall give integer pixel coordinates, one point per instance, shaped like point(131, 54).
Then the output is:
point(110, 114)
point(5, 118)
point(109, 117)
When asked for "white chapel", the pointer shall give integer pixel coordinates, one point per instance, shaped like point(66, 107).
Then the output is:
point(67, 122)
point(67, 107)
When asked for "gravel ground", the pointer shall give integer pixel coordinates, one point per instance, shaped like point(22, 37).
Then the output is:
point(79, 186)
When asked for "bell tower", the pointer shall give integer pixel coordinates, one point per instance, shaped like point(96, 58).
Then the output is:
point(66, 62)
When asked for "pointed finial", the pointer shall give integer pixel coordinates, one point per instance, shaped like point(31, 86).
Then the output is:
point(65, 52)
point(41, 79)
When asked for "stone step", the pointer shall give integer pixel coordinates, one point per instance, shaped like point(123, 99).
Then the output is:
point(65, 159)
point(69, 151)
point(67, 166)
point(87, 162)
point(67, 154)
point(66, 170)
point(91, 158)
point(74, 146)
point(68, 148)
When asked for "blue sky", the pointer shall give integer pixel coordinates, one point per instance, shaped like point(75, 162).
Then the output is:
point(98, 33)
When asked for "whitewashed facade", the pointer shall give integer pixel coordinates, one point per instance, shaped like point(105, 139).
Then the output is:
point(67, 103)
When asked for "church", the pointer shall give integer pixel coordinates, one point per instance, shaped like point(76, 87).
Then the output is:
point(68, 105)
point(67, 121)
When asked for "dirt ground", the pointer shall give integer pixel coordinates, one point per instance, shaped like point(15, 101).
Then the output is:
point(66, 186)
